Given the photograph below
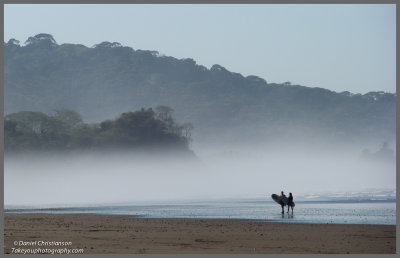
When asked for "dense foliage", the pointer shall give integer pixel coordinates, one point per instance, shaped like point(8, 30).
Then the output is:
point(65, 130)
point(107, 79)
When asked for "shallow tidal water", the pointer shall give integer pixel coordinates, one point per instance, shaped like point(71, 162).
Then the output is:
point(379, 212)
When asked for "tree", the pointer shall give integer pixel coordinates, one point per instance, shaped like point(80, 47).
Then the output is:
point(187, 129)
point(29, 121)
point(12, 42)
point(107, 44)
point(10, 127)
point(83, 137)
point(35, 130)
point(164, 113)
point(41, 38)
point(11, 135)
point(69, 118)
point(106, 125)
point(140, 125)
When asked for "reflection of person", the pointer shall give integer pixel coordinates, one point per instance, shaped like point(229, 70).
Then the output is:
point(283, 197)
point(290, 202)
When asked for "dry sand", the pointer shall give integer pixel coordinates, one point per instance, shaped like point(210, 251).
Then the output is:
point(125, 234)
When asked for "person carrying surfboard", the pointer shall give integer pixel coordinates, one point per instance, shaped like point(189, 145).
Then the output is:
point(280, 199)
point(283, 199)
point(290, 202)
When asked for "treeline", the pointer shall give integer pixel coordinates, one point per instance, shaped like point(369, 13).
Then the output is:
point(65, 130)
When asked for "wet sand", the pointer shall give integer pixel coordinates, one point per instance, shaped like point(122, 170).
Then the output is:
point(125, 234)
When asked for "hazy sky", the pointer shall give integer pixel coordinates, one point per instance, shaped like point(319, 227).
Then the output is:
point(338, 47)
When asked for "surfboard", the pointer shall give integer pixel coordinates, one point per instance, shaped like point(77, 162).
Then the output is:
point(278, 199)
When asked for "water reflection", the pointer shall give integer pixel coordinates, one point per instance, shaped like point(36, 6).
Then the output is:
point(288, 216)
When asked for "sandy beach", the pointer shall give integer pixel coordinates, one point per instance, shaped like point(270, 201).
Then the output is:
point(125, 234)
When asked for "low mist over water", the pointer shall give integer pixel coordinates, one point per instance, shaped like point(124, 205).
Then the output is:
point(83, 178)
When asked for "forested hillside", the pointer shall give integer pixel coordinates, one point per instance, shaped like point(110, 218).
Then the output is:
point(107, 79)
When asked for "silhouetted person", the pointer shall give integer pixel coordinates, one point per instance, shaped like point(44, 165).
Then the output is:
point(283, 197)
point(290, 202)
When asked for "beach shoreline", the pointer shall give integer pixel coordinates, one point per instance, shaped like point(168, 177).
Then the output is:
point(126, 234)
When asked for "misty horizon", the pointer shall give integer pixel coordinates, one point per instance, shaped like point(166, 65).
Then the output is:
point(131, 177)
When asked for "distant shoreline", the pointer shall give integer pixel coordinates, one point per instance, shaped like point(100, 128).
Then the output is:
point(127, 234)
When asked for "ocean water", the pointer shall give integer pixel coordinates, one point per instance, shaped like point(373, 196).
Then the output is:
point(331, 212)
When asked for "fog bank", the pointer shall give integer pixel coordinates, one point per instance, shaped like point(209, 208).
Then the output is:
point(95, 178)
